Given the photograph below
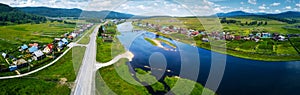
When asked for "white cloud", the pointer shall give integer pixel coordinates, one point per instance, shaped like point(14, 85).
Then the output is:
point(252, 2)
point(242, 3)
point(288, 7)
point(277, 11)
point(298, 5)
point(262, 7)
point(275, 4)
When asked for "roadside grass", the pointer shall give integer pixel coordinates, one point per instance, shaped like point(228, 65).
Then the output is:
point(106, 51)
point(114, 83)
point(103, 51)
point(45, 81)
point(77, 54)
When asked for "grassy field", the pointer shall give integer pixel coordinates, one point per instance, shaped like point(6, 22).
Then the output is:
point(115, 83)
point(46, 82)
point(182, 86)
point(106, 51)
point(43, 33)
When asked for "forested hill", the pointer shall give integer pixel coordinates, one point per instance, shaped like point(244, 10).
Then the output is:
point(9, 15)
point(60, 12)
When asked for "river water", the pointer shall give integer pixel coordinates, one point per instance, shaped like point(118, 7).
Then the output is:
point(241, 76)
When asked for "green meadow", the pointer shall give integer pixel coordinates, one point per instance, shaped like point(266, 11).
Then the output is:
point(15, 35)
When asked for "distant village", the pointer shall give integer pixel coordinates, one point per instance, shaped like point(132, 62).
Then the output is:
point(29, 54)
point(253, 36)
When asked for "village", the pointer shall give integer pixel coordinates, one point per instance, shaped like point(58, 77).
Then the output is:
point(253, 36)
point(32, 55)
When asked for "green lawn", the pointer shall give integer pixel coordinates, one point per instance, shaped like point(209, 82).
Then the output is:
point(45, 82)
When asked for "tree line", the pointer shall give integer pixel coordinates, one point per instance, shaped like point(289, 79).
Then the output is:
point(258, 23)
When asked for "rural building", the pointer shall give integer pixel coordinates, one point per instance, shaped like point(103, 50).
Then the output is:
point(33, 49)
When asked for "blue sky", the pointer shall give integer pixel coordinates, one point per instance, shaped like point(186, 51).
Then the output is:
point(167, 7)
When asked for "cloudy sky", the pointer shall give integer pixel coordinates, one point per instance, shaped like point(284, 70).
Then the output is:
point(167, 7)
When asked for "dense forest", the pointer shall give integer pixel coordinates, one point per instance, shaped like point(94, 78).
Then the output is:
point(9, 15)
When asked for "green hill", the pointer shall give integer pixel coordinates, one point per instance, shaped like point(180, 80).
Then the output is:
point(9, 15)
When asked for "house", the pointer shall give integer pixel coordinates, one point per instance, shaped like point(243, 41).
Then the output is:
point(281, 38)
point(48, 49)
point(247, 38)
point(258, 35)
point(60, 44)
point(205, 40)
point(257, 39)
point(266, 35)
point(237, 37)
point(24, 47)
point(65, 41)
point(20, 61)
point(38, 55)
point(4, 55)
point(13, 68)
point(33, 49)
point(34, 44)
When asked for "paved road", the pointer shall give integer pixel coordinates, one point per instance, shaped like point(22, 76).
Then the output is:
point(85, 79)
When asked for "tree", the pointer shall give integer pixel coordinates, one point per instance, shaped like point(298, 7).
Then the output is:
point(266, 23)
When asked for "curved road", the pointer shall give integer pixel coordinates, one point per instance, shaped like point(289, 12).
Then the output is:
point(127, 55)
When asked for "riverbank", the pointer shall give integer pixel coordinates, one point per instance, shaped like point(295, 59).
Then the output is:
point(219, 49)
point(120, 79)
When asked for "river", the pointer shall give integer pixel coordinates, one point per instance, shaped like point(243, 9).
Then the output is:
point(241, 76)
